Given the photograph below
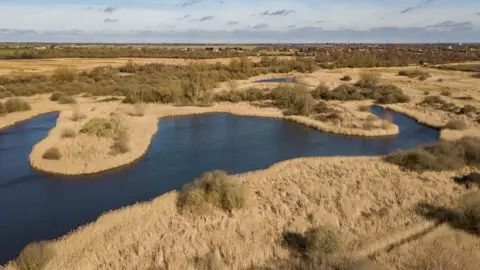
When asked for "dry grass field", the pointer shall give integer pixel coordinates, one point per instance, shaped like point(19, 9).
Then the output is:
point(379, 212)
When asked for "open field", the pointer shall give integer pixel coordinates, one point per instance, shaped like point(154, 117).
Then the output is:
point(397, 217)
point(47, 66)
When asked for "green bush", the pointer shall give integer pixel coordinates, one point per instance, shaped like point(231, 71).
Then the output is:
point(16, 105)
point(52, 154)
point(213, 190)
point(456, 125)
point(35, 256)
point(446, 155)
point(101, 127)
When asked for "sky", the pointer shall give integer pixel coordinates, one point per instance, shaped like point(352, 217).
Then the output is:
point(240, 21)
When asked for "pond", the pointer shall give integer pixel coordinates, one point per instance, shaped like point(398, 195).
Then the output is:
point(36, 206)
point(278, 80)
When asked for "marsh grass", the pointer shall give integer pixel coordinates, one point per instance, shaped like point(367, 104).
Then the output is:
point(101, 127)
point(213, 190)
point(52, 154)
point(121, 144)
point(444, 156)
point(456, 124)
point(16, 105)
point(35, 256)
point(68, 133)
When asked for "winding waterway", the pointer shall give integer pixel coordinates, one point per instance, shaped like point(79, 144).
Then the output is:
point(36, 206)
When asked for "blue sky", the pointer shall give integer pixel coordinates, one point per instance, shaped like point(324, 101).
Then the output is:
point(240, 20)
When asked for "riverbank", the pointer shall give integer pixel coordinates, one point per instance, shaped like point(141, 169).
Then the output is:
point(347, 194)
point(85, 154)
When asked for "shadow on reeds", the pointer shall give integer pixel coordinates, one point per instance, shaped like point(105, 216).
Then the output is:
point(456, 219)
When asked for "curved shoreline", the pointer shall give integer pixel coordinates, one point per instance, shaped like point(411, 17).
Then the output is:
point(150, 122)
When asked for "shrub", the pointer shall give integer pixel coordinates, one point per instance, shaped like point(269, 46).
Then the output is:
point(346, 78)
point(213, 190)
point(76, 114)
point(68, 133)
point(456, 125)
point(121, 143)
point(470, 206)
point(138, 109)
point(446, 155)
point(422, 78)
point(320, 90)
point(467, 109)
point(414, 74)
point(440, 80)
point(101, 127)
point(65, 74)
point(16, 105)
point(426, 92)
point(2, 108)
point(368, 79)
point(364, 108)
point(66, 99)
point(294, 100)
point(52, 154)
point(446, 93)
point(34, 256)
point(56, 96)
point(433, 100)
point(321, 241)
point(476, 76)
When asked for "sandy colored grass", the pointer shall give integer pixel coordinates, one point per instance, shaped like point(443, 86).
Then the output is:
point(85, 154)
point(368, 201)
point(18, 67)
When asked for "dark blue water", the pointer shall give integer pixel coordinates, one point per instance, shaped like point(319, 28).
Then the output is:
point(35, 206)
point(278, 80)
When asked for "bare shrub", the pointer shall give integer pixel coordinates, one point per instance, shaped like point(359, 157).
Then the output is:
point(16, 105)
point(468, 109)
point(121, 144)
point(2, 108)
point(440, 80)
point(456, 124)
point(446, 155)
point(320, 241)
point(346, 78)
point(476, 76)
point(213, 190)
point(101, 127)
point(56, 96)
point(433, 100)
point(52, 154)
point(470, 207)
point(446, 93)
point(76, 114)
point(138, 109)
point(65, 74)
point(294, 100)
point(426, 92)
point(35, 256)
point(368, 79)
point(320, 90)
point(364, 108)
point(416, 73)
point(68, 133)
point(66, 99)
